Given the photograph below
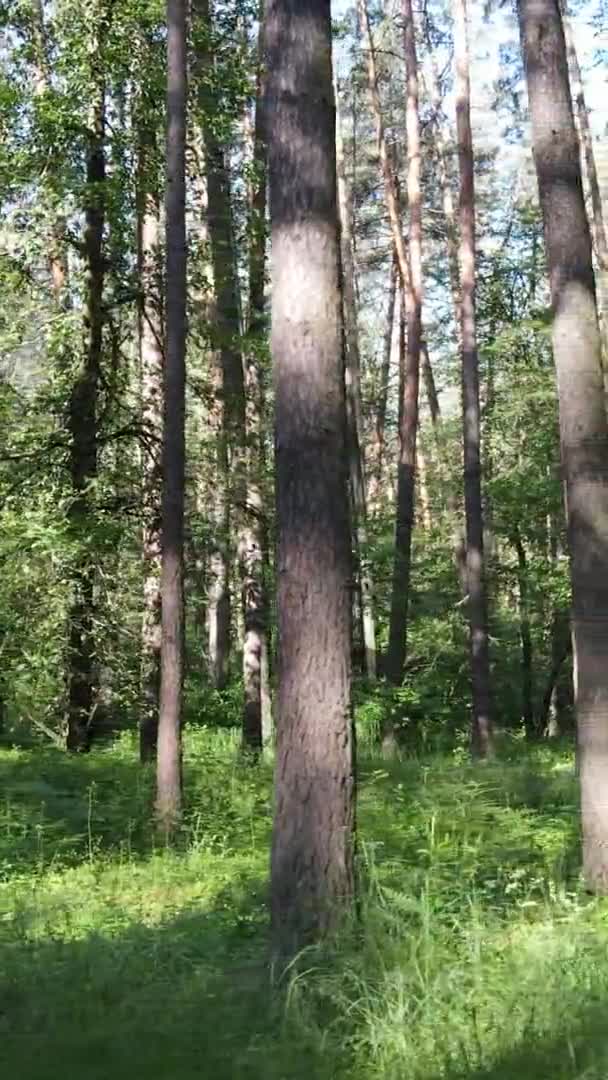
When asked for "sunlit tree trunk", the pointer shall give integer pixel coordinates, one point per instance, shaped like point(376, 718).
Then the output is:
point(406, 468)
point(312, 878)
point(481, 733)
point(353, 408)
point(583, 423)
point(168, 790)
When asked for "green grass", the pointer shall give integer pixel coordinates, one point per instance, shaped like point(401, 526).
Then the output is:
point(477, 955)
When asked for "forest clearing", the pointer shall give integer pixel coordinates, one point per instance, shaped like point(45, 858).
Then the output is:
point(304, 540)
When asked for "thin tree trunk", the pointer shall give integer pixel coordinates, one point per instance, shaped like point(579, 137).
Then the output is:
point(353, 408)
point(429, 385)
point(406, 470)
point(582, 115)
point(226, 333)
point(525, 636)
point(151, 375)
point(257, 719)
point(82, 425)
point(168, 790)
point(379, 436)
point(481, 732)
point(597, 215)
point(312, 878)
point(583, 423)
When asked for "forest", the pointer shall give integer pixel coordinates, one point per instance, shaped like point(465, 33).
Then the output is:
point(303, 539)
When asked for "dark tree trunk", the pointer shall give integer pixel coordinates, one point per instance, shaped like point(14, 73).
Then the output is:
point(481, 726)
point(82, 424)
point(408, 427)
point(312, 848)
point(583, 424)
point(168, 790)
point(555, 698)
point(525, 636)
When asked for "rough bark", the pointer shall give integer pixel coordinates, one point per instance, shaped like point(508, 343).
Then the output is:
point(151, 376)
point(583, 423)
point(312, 846)
point(352, 372)
point(481, 722)
point(168, 781)
point(82, 422)
point(408, 426)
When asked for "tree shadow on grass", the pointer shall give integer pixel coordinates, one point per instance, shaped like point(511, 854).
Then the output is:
point(190, 997)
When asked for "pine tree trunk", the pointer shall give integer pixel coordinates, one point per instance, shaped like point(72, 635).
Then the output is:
point(481, 730)
point(226, 330)
point(257, 718)
point(408, 427)
point(82, 426)
point(312, 878)
point(583, 423)
point(353, 408)
point(168, 789)
point(151, 375)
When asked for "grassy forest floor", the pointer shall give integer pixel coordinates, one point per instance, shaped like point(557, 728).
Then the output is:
point(478, 954)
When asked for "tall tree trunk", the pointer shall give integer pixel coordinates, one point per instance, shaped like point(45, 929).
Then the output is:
point(481, 732)
point(226, 334)
point(525, 636)
point(406, 469)
point(151, 375)
point(353, 407)
point(257, 718)
point(82, 422)
point(168, 789)
point(312, 878)
point(583, 423)
point(429, 385)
